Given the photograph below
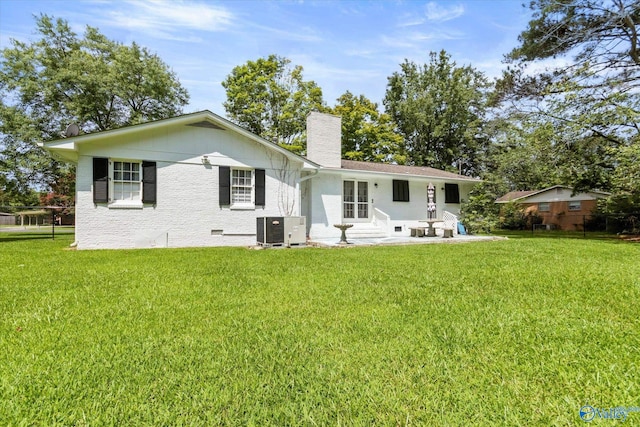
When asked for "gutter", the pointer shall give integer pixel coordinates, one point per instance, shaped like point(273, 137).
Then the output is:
point(304, 178)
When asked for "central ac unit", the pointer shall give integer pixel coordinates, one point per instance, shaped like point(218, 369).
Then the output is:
point(279, 230)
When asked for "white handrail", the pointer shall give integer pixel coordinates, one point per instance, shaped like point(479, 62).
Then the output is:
point(384, 219)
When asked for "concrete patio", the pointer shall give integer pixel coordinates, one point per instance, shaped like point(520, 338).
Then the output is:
point(402, 240)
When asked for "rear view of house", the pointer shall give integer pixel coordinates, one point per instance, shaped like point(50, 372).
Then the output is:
point(200, 180)
point(380, 200)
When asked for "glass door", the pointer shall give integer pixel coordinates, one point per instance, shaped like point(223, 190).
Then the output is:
point(355, 200)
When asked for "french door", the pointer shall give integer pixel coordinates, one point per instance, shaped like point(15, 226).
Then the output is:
point(355, 200)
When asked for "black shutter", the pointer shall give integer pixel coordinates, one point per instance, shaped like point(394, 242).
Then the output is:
point(400, 190)
point(149, 187)
point(260, 187)
point(451, 193)
point(224, 186)
point(100, 180)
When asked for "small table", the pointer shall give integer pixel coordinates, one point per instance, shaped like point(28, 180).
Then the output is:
point(343, 236)
point(431, 232)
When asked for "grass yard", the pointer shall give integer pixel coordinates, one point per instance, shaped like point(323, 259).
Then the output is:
point(517, 332)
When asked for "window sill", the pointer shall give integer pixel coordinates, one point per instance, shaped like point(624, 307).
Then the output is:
point(242, 207)
point(126, 205)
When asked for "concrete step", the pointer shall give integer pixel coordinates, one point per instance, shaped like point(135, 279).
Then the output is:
point(365, 231)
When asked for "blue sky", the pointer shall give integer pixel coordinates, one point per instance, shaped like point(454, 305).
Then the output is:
point(342, 45)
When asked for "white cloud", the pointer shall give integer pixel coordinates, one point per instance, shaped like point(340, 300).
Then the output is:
point(436, 12)
point(410, 21)
point(170, 19)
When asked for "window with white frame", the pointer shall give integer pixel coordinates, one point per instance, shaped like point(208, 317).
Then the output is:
point(544, 207)
point(241, 187)
point(575, 205)
point(127, 181)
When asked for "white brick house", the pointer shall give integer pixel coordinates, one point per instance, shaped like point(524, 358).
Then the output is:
point(200, 180)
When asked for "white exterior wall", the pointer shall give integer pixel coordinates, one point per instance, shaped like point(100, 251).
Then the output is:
point(187, 212)
point(325, 192)
point(325, 205)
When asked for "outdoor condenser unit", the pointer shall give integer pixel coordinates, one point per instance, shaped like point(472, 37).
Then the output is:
point(281, 230)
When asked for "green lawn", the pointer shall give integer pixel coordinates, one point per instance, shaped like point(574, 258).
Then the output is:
point(517, 332)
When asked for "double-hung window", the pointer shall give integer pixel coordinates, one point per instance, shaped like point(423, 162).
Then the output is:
point(127, 181)
point(124, 183)
point(241, 187)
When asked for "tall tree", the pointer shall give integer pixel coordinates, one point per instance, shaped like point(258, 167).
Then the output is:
point(439, 109)
point(62, 78)
point(270, 98)
point(602, 35)
point(367, 134)
point(591, 100)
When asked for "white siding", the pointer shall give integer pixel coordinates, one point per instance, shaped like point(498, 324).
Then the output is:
point(325, 193)
point(187, 210)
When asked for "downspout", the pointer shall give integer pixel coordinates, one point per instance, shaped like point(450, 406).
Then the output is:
point(300, 181)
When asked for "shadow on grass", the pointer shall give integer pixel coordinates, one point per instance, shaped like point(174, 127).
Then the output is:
point(555, 234)
point(17, 236)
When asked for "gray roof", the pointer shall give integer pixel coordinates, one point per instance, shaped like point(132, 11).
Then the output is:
point(403, 170)
point(514, 195)
point(521, 195)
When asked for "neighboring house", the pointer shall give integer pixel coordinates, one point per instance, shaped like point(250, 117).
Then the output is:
point(557, 206)
point(200, 180)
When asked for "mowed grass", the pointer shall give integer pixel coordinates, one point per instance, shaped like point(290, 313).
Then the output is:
point(516, 332)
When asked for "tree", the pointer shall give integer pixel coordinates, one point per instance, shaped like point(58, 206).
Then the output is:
point(439, 109)
point(601, 35)
point(271, 99)
point(480, 212)
point(61, 78)
point(367, 135)
point(593, 102)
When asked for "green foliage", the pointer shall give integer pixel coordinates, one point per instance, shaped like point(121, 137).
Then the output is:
point(513, 216)
point(61, 78)
point(592, 104)
point(271, 99)
point(186, 337)
point(439, 109)
point(622, 209)
point(480, 213)
point(626, 177)
point(531, 151)
point(598, 32)
point(367, 135)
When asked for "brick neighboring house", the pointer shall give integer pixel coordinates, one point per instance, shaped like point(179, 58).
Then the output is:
point(557, 206)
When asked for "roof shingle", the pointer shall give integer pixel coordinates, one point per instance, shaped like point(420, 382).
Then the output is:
point(403, 170)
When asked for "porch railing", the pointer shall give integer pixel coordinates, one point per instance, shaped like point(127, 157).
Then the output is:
point(450, 221)
point(382, 220)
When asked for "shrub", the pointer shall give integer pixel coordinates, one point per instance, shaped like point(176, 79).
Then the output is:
point(480, 212)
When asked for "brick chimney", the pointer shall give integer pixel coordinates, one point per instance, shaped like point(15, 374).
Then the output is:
point(324, 139)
